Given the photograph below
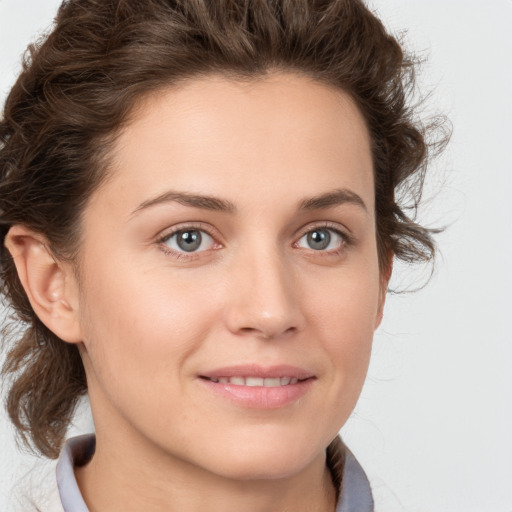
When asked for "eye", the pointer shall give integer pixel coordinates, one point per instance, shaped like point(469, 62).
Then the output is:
point(189, 240)
point(323, 239)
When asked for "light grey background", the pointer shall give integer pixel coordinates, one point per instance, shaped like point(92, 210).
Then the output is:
point(433, 427)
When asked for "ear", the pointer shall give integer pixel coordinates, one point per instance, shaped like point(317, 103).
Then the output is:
point(50, 285)
point(384, 281)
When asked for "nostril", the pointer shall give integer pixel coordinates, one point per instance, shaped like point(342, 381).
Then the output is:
point(255, 332)
point(266, 334)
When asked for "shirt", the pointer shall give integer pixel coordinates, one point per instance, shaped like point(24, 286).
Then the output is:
point(356, 495)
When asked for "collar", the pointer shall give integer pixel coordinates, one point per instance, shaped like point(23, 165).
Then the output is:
point(356, 495)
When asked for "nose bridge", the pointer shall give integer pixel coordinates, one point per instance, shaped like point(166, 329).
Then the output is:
point(263, 296)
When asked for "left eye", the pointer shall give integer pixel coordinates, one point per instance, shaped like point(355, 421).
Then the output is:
point(188, 240)
point(322, 239)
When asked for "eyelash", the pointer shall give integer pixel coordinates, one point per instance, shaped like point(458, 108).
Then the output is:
point(183, 255)
point(346, 240)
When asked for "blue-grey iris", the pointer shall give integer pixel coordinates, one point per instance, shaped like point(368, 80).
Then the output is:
point(319, 239)
point(189, 240)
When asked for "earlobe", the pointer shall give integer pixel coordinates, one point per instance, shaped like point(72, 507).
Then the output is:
point(50, 285)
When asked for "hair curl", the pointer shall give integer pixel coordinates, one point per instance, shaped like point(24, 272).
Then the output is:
point(78, 87)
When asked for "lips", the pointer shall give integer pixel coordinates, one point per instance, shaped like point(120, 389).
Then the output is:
point(254, 386)
point(248, 371)
point(268, 382)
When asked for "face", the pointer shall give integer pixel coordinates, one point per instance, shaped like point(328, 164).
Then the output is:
point(229, 284)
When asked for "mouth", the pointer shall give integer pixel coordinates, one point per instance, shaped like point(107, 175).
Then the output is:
point(267, 382)
point(253, 386)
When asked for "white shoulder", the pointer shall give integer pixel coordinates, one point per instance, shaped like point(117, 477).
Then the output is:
point(52, 501)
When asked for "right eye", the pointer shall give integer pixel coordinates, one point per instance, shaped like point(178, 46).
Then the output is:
point(187, 241)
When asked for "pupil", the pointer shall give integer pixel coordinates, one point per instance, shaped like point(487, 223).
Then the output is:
point(189, 240)
point(319, 239)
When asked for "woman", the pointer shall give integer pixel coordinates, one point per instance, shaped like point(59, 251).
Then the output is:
point(198, 210)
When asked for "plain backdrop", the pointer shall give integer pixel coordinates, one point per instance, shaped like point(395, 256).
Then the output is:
point(433, 427)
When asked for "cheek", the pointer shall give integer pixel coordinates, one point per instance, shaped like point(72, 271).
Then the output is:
point(139, 326)
point(345, 316)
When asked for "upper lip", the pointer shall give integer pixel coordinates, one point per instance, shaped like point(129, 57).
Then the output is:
point(255, 370)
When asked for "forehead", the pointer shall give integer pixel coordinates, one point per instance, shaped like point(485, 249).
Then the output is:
point(220, 136)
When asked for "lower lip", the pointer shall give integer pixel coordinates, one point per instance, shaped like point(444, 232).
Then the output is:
point(260, 397)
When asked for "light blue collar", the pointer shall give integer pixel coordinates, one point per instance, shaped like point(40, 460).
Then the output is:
point(356, 495)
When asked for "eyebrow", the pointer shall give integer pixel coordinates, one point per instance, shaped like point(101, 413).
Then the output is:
point(187, 199)
point(321, 202)
point(334, 198)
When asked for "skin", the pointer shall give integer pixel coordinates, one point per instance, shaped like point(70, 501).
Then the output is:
point(151, 318)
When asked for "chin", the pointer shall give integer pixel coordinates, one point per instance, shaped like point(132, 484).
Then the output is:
point(265, 458)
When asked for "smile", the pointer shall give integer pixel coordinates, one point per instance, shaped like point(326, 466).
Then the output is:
point(269, 382)
point(256, 387)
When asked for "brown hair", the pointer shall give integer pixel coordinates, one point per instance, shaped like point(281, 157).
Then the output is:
point(77, 89)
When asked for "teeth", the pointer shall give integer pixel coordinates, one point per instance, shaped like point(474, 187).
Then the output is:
point(269, 382)
point(254, 381)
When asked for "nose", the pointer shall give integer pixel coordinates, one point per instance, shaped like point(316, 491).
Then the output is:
point(263, 297)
